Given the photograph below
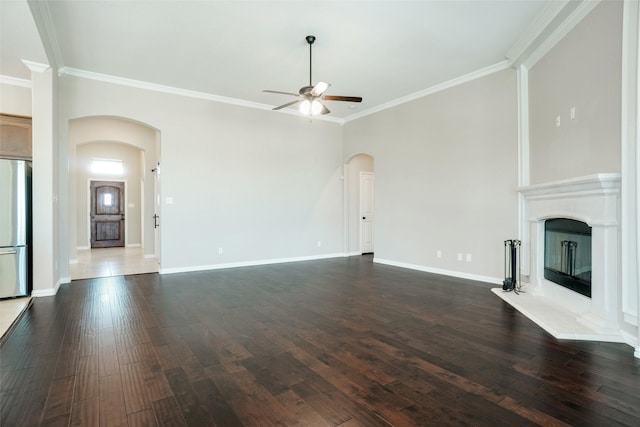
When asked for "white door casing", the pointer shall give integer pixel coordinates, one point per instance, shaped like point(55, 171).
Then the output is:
point(156, 213)
point(366, 212)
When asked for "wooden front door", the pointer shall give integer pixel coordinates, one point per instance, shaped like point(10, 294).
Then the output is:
point(107, 214)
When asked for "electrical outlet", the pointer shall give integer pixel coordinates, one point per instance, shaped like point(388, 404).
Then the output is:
point(459, 257)
point(572, 113)
point(468, 257)
point(319, 243)
point(220, 251)
point(439, 253)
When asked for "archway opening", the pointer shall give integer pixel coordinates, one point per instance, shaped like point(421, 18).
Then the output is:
point(136, 147)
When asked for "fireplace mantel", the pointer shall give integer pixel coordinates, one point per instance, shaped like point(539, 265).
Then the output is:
point(595, 200)
point(602, 183)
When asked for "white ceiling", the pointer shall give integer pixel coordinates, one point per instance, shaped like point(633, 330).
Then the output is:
point(380, 50)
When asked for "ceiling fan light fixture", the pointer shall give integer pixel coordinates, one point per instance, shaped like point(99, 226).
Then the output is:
point(316, 107)
point(311, 107)
point(305, 107)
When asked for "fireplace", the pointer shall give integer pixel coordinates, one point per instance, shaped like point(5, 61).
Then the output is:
point(569, 222)
point(567, 254)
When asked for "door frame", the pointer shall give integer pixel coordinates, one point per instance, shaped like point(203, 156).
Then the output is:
point(126, 204)
point(352, 220)
point(360, 220)
point(157, 206)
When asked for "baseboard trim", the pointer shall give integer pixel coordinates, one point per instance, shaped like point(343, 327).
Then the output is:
point(83, 248)
point(134, 245)
point(37, 293)
point(150, 256)
point(247, 263)
point(630, 339)
point(458, 274)
point(348, 254)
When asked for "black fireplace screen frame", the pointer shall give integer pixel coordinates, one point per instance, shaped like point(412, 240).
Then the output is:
point(564, 273)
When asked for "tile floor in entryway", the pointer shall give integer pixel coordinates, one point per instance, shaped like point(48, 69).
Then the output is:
point(108, 262)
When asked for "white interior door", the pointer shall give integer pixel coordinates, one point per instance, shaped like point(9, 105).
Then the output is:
point(366, 212)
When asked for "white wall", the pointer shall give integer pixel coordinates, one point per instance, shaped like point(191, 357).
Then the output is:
point(131, 159)
point(258, 184)
point(583, 71)
point(446, 176)
point(15, 100)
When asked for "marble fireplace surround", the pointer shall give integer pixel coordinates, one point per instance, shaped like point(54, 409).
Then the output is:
point(565, 314)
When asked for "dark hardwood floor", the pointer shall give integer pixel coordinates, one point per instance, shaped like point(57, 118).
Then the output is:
point(324, 343)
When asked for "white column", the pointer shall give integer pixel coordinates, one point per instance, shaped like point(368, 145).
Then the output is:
point(630, 162)
point(45, 182)
point(632, 27)
point(604, 279)
point(523, 167)
point(537, 258)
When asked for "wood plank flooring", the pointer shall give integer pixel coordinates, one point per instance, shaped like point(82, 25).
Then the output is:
point(339, 342)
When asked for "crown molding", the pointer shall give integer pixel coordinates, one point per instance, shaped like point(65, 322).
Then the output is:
point(44, 23)
point(557, 28)
point(546, 21)
point(500, 66)
point(35, 66)
point(139, 84)
point(14, 81)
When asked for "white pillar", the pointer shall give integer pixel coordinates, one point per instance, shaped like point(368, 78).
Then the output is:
point(632, 10)
point(46, 278)
point(630, 162)
point(536, 265)
point(523, 167)
point(604, 279)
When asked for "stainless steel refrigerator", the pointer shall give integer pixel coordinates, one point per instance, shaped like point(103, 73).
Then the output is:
point(15, 228)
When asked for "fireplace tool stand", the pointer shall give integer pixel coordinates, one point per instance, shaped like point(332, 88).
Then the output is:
point(512, 277)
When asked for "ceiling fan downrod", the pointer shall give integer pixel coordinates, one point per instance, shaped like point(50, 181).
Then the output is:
point(310, 40)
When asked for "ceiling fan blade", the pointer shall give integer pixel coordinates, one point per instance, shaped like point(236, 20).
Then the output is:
point(319, 88)
point(280, 92)
point(324, 110)
point(288, 104)
point(342, 98)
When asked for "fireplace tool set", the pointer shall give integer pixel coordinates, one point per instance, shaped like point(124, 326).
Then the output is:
point(512, 278)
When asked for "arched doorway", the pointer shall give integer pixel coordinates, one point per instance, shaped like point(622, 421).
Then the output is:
point(359, 212)
point(136, 146)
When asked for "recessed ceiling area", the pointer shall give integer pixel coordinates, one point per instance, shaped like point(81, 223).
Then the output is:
point(380, 50)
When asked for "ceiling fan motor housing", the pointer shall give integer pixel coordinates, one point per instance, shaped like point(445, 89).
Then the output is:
point(305, 90)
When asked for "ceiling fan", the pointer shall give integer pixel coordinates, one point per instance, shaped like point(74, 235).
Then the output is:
point(309, 96)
